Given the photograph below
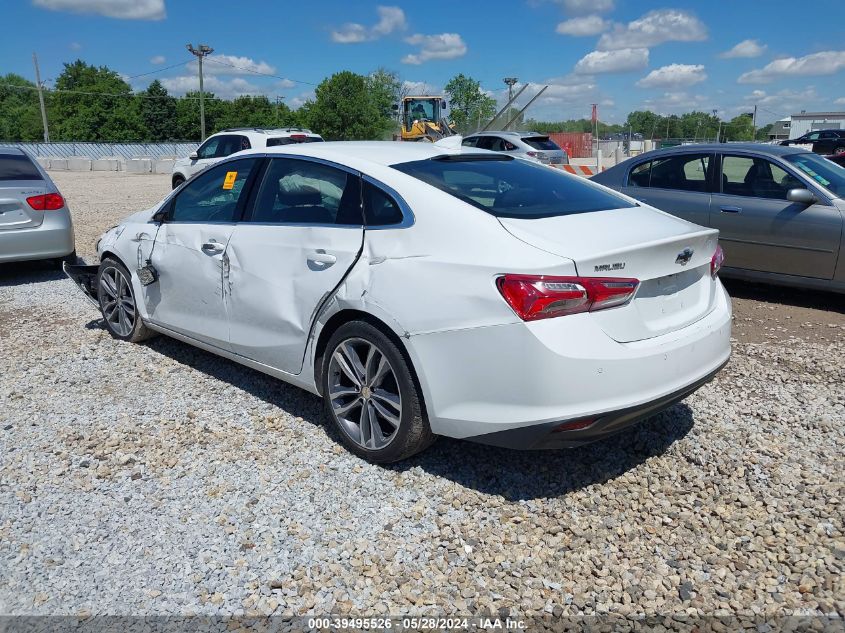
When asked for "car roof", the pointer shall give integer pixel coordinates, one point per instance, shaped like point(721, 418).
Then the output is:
point(506, 132)
point(385, 153)
point(11, 151)
point(761, 148)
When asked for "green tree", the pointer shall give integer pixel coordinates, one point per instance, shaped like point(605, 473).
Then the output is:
point(644, 122)
point(763, 132)
point(217, 113)
point(740, 128)
point(94, 104)
point(383, 88)
point(158, 112)
point(20, 114)
point(342, 109)
point(469, 105)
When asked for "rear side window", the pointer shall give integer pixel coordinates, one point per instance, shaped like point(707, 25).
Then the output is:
point(541, 142)
point(510, 188)
point(18, 167)
point(380, 209)
point(687, 172)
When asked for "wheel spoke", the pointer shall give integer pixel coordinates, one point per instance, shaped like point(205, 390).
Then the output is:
point(343, 361)
point(338, 391)
point(364, 426)
point(388, 416)
point(381, 371)
point(377, 437)
point(342, 409)
point(388, 398)
point(108, 285)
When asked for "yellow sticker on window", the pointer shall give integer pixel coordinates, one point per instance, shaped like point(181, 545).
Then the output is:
point(229, 181)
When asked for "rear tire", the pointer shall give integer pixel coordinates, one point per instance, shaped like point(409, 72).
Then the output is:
point(177, 180)
point(371, 397)
point(839, 150)
point(117, 303)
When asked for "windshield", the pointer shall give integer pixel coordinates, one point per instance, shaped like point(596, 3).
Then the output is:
point(541, 142)
point(419, 109)
point(823, 172)
point(510, 188)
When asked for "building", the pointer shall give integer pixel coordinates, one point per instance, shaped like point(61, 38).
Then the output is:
point(809, 121)
point(780, 129)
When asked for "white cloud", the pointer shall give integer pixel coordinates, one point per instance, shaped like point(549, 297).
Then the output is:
point(616, 61)
point(442, 46)
point(122, 9)
point(391, 19)
point(824, 63)
point(158, 59)
point(584, 26)
point(746, 48)
point(673, 102)
point(840, 101)
point(673, 76)
point(783, 100)
point(300, 99)
point(75, 46)
point(284, 84)
point(580, 7)
point(221, 87)
point(655, 27)
point(233, 65)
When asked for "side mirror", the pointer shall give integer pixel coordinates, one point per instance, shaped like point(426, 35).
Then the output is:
point(395, 107)
point(160, 216)
point(801, 196)
point(193, 156)
point(445, 105)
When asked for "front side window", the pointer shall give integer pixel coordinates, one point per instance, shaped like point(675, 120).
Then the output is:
point(687, 172)
point(304, 192)
point(823, 172)
point(756, 178)
point(505, 187)
point(470, 142)
point(814, 136)
point(213, 196)
point(209, 148)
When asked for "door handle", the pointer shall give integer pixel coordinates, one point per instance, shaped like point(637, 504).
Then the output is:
point(730, 209)
point(322, 257)
point(212, 247)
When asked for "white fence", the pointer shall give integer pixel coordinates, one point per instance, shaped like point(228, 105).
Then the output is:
point(115, 151)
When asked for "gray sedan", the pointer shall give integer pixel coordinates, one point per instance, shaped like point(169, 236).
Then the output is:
point(34, 219)
point(779, 210)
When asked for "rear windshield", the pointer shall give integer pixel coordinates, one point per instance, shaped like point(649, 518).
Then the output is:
point(541, 142)
point(291, 140)
point(509, 188)
point(18, 167)
point(821, 171)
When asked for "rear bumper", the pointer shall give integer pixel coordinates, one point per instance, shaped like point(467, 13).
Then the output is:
point(53, 238)
point(481, 383)
point(553, 435)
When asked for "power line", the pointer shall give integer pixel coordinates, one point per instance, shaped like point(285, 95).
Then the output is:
point(258, 72)
point(137, 95)
point(160, 70)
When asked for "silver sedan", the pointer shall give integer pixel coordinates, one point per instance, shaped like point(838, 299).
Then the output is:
point(34, 219)
point(780, 211)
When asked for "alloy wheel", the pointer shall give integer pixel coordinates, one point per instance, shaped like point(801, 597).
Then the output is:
point(364, 393)
point(116, 301)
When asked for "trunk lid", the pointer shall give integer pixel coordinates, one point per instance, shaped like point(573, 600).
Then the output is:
point(641, 243)
point(15, 212)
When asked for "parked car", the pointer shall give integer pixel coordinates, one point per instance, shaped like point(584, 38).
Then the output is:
point(822, 141)
point(529, 145)
point(489, 298)
point(227, 142)
point(779, 210)
point(35, 221)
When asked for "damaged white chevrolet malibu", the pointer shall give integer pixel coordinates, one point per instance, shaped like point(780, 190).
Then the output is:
point(425, 291)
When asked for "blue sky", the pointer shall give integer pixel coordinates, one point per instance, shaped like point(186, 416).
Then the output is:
point(670, 57)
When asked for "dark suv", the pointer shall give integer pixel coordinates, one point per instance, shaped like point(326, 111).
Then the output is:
point(823, 141)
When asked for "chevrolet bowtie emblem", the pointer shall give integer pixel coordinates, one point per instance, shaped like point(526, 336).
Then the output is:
point(684, 257)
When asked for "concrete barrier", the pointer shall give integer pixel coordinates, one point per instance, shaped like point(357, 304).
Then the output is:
point(59, 164)
point(139, 166)
point(163, 166)
point(79, 163)
point(105, 164)
point(44, 162)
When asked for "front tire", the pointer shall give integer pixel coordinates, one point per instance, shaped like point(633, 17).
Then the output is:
point(370, 394)
point(839, 150)
point(117, 302)
point(178, 179)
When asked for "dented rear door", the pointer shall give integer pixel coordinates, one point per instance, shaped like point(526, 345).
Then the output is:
point(296, 244)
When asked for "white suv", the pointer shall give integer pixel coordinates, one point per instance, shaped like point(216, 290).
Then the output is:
point(227, 142)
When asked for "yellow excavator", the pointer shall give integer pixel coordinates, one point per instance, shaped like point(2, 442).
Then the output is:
point(423, 119)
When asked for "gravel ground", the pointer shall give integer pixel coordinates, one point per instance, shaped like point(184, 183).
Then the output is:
point(159, 479)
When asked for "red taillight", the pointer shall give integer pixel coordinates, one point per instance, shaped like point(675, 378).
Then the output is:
point(298, 138)
point(535, 297)
point(716, 261)
point(46, 202)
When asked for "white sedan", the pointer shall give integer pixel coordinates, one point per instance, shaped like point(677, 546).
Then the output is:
point(425, 291)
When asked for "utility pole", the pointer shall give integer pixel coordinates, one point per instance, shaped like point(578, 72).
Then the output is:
point(754, 123)
point(200, 52)
point(41, 99)
point(511, 82)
